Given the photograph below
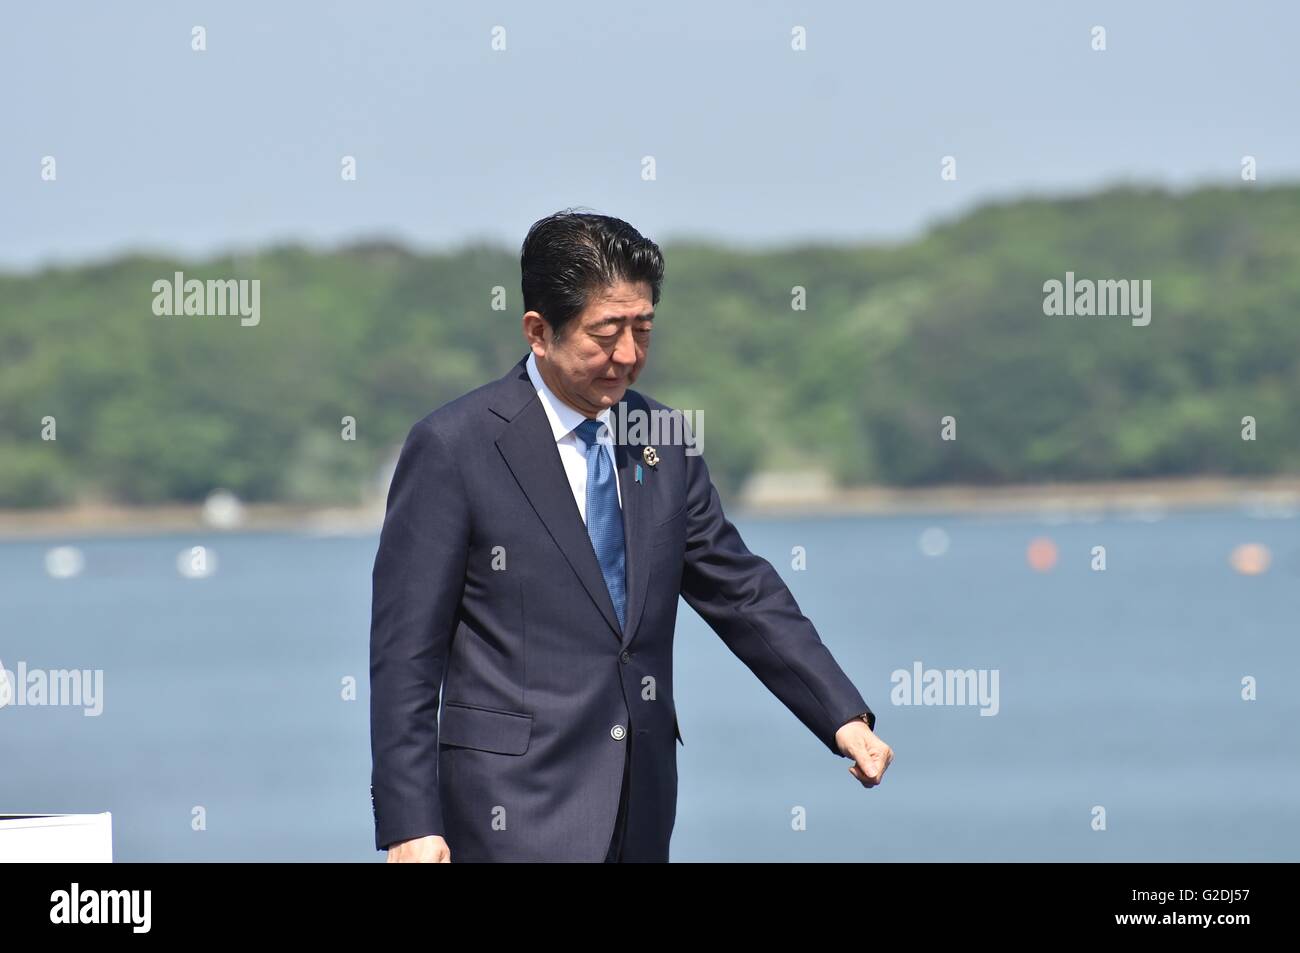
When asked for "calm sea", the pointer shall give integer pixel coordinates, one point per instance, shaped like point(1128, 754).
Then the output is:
point(1119, 696)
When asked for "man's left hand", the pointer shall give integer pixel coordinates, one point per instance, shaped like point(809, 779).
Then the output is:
point(870, 755)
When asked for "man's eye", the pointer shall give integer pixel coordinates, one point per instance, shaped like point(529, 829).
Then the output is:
point(614, 335)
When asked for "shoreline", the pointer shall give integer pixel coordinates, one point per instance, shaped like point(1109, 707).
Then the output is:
point(1273, 496)
point(1277, 497)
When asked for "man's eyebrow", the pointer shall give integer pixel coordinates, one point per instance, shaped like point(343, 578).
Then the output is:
point(619, 319)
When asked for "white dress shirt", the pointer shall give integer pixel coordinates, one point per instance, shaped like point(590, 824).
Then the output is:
point(573, 452)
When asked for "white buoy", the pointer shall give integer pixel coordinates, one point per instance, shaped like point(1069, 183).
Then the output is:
point(934, 541)
point(64, 562)
point(223, 510)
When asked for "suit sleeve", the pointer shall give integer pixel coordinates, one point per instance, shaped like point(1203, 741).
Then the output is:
point(746, 603)
point(418, 579)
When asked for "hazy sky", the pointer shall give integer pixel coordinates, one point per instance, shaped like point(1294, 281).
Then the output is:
point(159, 147)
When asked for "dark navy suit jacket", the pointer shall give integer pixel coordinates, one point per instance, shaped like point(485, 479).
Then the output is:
point(487, 596)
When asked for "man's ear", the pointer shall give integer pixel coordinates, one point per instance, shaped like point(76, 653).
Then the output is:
point(531, 319)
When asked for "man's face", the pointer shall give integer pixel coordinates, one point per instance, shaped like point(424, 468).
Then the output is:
point(602, 350)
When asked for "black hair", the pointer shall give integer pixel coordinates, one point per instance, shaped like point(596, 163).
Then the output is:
point(568, 255)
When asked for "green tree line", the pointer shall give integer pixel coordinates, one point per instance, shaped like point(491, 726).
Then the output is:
point(890, 340)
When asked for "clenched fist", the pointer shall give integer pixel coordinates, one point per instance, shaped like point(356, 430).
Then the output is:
point(870, 755)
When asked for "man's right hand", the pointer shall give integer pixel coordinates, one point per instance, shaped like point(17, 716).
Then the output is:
point(431, 849)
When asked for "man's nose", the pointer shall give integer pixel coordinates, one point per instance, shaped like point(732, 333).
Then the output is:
point(625, 349)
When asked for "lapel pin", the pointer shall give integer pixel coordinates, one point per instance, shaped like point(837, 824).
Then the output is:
point(650, 455)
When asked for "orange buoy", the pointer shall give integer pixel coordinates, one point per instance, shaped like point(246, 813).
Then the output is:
point(1250, 559)
point(1041, 554)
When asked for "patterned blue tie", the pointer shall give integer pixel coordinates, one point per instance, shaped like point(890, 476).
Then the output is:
point(604, 517)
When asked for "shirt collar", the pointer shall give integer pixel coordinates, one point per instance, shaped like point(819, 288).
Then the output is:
point(562, 417)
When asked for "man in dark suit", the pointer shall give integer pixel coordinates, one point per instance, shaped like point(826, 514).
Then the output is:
point(528, 576)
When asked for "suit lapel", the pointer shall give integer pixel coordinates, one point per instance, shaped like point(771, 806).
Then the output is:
point(529, 450)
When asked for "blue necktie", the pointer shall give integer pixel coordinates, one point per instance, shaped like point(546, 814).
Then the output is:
point(604, 517)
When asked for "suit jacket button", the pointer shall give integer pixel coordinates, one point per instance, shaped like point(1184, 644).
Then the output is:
point(626, 656)
point(617, 732)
